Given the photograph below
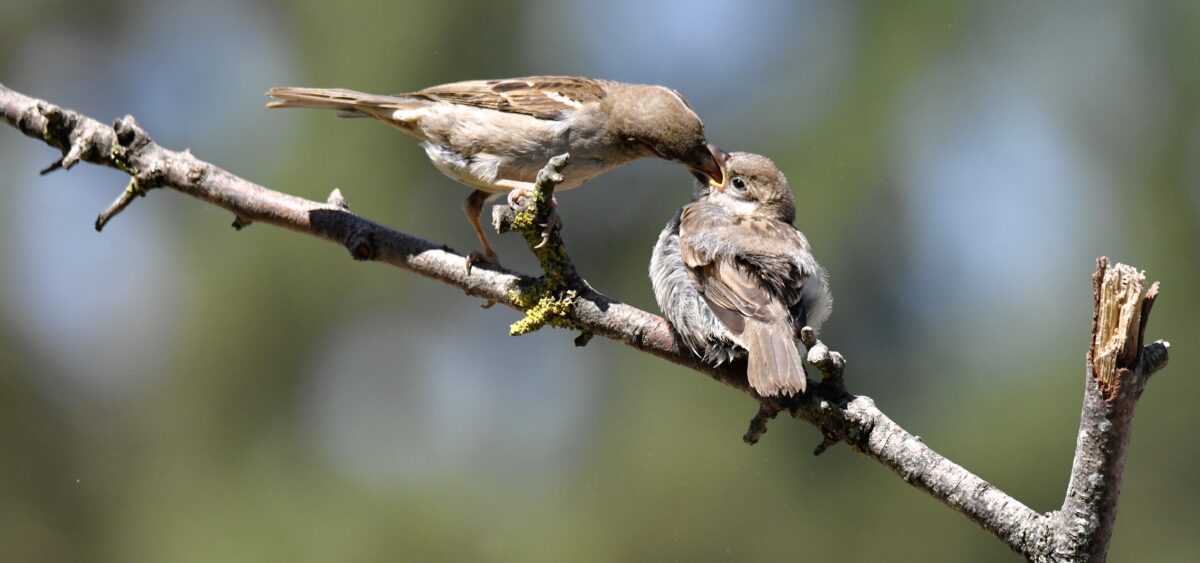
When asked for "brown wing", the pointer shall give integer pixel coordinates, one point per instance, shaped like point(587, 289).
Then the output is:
point(730, 290)
point(758, 235)
point(543, 97)
point(727, 286)
point(771, 249)
point(762, 270)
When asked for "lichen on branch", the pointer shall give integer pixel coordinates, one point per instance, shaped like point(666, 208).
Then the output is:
point(548, 301)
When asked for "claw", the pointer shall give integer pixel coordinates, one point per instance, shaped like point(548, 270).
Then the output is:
point(485, 257)
point(517, 194)
point(552, 221)
point(477, 256)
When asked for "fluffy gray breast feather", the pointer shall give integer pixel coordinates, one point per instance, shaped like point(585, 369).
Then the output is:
point(680, 301)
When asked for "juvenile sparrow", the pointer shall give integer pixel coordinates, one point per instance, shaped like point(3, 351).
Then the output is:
point(494, 135)
point(735, 278)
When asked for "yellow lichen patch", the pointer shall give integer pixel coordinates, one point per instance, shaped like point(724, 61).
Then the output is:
point(549, 300)
point(120, 158)
point(134, 188)
point(524, 220)
point(543, 307)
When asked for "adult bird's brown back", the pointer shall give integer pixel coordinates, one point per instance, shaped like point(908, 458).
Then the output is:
point(494, 135)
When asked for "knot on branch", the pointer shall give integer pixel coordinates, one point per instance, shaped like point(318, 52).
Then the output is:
point(130, 135)
point(549, 299)
point(361, 244)
point(240, 222)
point(338, 200)
point(130, 139)
point(66, 130)
point(758, 424)
point(60, 123)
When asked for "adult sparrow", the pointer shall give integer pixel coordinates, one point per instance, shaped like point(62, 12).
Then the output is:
point(734, 277)
point(494, 135)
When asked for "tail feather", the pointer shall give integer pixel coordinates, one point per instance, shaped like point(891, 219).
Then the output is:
point(348, 102)
point(774, 367)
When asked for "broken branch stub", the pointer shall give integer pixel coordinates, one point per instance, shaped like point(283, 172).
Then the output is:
point(1116, 335)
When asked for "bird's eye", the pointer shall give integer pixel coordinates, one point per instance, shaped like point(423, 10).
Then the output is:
point(738, 184)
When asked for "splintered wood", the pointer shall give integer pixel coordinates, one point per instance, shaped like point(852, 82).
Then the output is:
point(1116, 339)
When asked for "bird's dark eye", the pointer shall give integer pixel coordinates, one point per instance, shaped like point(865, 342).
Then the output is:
point(738, 184)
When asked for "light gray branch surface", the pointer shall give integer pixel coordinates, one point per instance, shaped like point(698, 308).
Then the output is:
point(1118, 364)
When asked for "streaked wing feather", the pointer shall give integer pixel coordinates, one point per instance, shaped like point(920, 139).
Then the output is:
point(732, 293)
point(543, 97)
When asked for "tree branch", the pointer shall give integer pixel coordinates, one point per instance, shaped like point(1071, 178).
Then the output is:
point(1118, 364)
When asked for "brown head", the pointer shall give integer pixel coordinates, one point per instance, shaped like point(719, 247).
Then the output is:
point(755, 187)
point(657, 121)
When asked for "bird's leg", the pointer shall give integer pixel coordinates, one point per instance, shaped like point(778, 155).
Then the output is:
point(519, 190)
point(472, 207)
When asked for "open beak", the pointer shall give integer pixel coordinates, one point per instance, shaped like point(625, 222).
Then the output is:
point(710, 169)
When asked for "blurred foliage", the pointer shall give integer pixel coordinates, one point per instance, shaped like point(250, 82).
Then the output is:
point(177, 391)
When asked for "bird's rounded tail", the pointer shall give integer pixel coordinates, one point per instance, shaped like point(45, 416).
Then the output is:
point(774, 366)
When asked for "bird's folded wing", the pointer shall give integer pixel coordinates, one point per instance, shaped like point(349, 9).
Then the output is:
point(766, 248)
point(730, 291)
point(543, 97)
point(729, 286)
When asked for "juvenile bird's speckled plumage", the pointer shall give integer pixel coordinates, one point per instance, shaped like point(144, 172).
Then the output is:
point(734, 277)
point(494, 135)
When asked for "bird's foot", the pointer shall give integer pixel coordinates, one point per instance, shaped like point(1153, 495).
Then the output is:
point(477, 257)
point(552, 219)
point(515, 195)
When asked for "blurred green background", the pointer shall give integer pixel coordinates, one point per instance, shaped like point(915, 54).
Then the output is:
point(173, 390)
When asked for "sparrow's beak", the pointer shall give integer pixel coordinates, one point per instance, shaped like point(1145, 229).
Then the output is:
point(710, 167)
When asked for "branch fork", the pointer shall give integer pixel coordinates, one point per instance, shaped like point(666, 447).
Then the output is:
point(549, 299)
